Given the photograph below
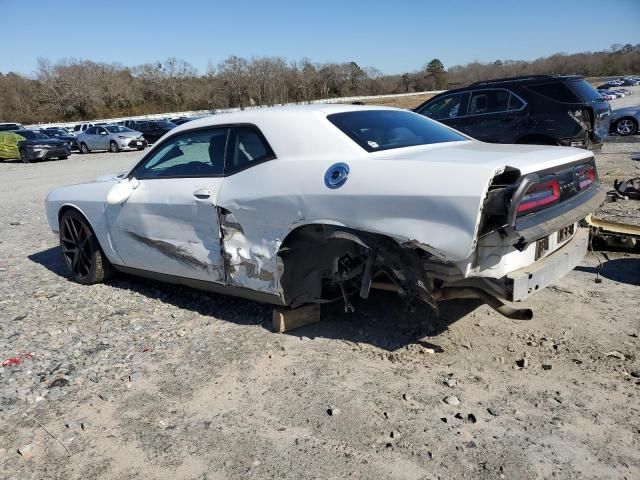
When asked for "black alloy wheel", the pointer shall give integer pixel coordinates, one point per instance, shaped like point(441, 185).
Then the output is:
point(81, 251)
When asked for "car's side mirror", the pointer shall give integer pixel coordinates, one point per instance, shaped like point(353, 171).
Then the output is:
point(121, 191)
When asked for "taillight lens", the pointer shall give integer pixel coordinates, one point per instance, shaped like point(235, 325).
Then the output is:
point(539, 195)
point(586, 176)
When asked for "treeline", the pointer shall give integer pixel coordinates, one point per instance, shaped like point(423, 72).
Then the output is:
point(81, 89)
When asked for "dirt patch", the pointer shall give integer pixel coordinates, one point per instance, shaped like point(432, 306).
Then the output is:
point(136, 379)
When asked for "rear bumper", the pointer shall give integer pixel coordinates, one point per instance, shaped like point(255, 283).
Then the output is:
point(523, 282)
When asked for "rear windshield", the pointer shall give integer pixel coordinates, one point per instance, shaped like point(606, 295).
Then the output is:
point(376, 130)
point(585, 91)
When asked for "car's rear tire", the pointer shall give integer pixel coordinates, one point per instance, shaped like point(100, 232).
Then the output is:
point(626, 126)
point(81, 251)
point(24, 156)
point(113, 147)
point(84, 148)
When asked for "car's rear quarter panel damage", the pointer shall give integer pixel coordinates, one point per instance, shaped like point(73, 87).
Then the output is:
point(433, 211)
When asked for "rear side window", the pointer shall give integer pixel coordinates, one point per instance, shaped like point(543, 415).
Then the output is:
point(448, 106)
point(557, 91)
point(585, 91)
point(91, 131)
point(489, 101)
point(247, 146)
point(376, 130)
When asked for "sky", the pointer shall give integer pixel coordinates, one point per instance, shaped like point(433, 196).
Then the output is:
point(394, 36)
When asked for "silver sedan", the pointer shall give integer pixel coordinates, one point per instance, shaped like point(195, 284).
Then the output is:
point(110, 137)
point(624, 121)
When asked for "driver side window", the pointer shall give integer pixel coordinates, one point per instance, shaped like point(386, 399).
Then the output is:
point(193, 154)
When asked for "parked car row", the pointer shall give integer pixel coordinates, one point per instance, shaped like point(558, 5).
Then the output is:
point(632, 81)
point(57, 142)
point(83, 137)
point(30, 145)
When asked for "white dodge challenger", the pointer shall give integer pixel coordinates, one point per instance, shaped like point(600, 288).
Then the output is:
point(309, 204)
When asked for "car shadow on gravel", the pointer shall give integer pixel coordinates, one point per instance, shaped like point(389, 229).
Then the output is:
point(52, 260)
point(382, 321)
point(621, 270)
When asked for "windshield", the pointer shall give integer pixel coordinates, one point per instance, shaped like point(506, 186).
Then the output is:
point(54, 132)
point(163, 124)
point(32, 135)
point(585, 91)
point(117, 129)
point(376, 130)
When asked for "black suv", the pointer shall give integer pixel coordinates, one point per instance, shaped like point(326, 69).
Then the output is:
point(538, 109)
point(151, 130)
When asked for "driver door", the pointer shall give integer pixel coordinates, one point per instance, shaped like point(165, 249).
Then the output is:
point(169, 224)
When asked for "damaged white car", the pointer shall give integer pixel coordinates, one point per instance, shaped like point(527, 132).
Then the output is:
point(300, 205)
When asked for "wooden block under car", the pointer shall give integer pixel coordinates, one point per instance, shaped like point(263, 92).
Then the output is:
point(286, 319)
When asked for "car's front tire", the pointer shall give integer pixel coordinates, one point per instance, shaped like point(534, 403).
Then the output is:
point(113, 147)
point(24, 156)
point(626, 126)
point(63, 158)
point(81, 251)
point(84, 148)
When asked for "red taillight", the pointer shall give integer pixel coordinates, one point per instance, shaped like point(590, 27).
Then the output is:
point(586, 176)
point(538, 195)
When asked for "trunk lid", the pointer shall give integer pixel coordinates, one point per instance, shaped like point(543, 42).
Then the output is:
point(496, 157)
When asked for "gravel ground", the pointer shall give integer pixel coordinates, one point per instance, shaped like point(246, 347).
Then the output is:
point(136, 379)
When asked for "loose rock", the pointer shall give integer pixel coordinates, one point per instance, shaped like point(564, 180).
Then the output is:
point(452, 400)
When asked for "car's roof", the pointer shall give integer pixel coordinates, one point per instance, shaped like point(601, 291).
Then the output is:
point(323, 109)
point(297, 130)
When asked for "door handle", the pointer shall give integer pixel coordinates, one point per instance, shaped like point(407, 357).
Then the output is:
point(202, 194)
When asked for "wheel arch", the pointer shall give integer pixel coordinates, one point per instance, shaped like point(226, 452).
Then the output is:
point(316, 254)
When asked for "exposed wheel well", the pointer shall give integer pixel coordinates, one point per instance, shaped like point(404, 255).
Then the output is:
point(322, 262)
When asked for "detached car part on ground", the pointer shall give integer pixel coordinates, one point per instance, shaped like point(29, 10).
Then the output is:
point(30, 145)
point(303, 205)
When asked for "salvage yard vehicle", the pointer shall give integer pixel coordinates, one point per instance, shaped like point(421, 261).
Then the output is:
point(62, 134)
point(625, 121)
point(35, 145)
point(309, 204)
point(152, 130)
point(9, 145)
point(110, 137)
point(536, 109)
point(10, 126)
point(81, 127)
